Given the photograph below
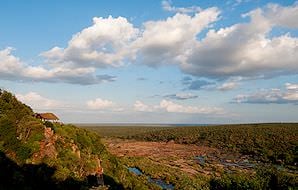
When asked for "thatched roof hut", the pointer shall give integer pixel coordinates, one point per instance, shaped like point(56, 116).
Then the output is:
point(47, 116)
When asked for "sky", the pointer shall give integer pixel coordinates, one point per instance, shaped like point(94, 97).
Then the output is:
point(169, 61)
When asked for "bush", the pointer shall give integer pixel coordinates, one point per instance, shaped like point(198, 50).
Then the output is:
point(49, 124)
point(235, 182)
point(23, 153)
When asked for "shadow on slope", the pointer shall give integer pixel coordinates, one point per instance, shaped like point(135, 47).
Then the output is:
point(30, 176)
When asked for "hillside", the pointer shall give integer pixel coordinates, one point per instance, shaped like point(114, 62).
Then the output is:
point(43, 155)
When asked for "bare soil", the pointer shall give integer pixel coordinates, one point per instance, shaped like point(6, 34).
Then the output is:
point(156, 149)
point(180, 156)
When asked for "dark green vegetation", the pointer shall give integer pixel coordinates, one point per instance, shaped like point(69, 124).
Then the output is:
point(276, 143)
point(37, 155)
point(15, 128)
point(122, 131)
point(265, 177)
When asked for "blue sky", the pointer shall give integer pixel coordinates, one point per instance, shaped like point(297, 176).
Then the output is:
point(176, 61)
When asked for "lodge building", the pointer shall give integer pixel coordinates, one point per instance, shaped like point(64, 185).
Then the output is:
point(47, 117)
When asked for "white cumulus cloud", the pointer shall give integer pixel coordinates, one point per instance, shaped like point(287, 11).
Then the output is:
point(167, 6)
point(100, 104)
point(166, 41)
point(140, 106)
point(181, 96)
point(105, 43)
point(290, 86)
point(12, 68)
point(39, 102)
point(272, 96)
point(241, 50)
point(228, 86)
point(171, 107)
point(283, 16)
point(245, 49)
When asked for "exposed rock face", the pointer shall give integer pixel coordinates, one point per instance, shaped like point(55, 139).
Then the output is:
point(47, 146)
point(48, 149)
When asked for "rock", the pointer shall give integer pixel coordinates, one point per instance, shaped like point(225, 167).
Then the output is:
point(47, 146)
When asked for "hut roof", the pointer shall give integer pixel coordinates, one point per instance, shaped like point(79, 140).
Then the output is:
point(47, 116)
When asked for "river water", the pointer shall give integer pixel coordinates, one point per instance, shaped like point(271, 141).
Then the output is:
point(161, 183)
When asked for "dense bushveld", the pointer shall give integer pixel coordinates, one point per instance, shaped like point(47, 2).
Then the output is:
point(121, 131)
point(276, 143)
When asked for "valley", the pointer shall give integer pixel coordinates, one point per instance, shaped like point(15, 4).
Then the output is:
point(207, 157)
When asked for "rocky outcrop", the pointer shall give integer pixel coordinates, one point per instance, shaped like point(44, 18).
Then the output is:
point(47, 146)
point(55, 152)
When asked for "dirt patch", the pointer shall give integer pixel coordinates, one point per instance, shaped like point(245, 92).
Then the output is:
point(191, 159)
point(156, 149)
point(169, 154)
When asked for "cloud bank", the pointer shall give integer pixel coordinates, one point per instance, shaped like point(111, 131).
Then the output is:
point(12, 68)
point(100, 104)
point(181, 96)
point(167, 6)
point(39, 102)
point(244, 49)
point(172, 107)
point(273, 96)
